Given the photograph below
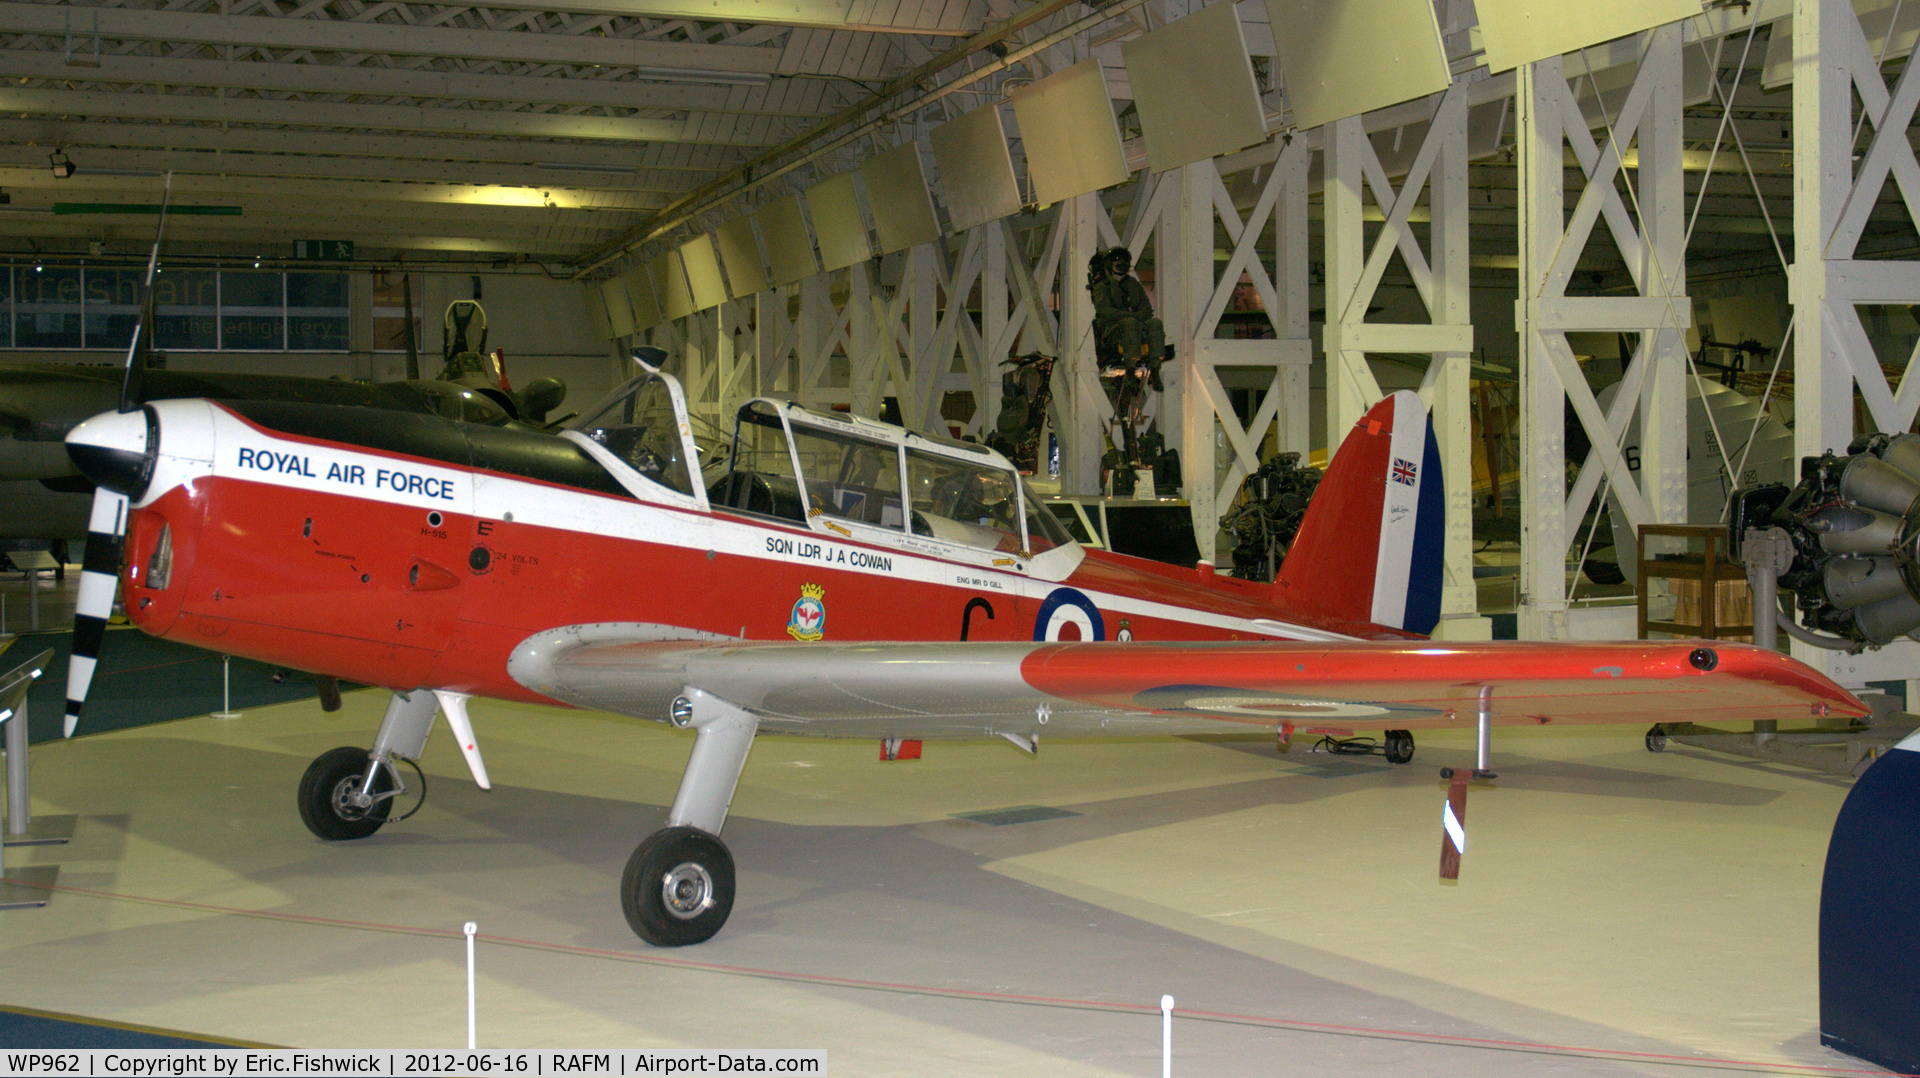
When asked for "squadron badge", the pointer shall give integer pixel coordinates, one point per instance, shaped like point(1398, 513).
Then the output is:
point(809, 618)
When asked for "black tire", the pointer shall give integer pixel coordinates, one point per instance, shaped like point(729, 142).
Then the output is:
point(322, 795)
point(1399, 744)
point(1657, 738)
point(692, 867)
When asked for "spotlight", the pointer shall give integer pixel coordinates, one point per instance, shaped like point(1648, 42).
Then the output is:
point(61, 164)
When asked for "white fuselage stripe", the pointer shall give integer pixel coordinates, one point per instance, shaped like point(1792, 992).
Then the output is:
point(244, 452)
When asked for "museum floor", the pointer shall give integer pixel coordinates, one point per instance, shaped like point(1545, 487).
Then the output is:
point(1620, 912)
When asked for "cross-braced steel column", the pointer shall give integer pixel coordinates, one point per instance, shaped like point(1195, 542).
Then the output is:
point(1647, 226)
point(1354, 274)
point(1833, 194)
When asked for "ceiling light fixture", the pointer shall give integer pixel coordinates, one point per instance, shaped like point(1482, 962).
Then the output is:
point(62, 166)
point(688, 74)
point(566, 166)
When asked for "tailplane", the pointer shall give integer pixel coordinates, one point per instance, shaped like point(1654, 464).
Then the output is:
point(1369, 549)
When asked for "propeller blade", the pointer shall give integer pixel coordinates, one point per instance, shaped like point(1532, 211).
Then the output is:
point(133, 383)
point(413, 345)
point(107, 525)
point(99, 575)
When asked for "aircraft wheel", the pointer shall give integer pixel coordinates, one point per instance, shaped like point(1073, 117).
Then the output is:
point(324, 791)
point(678, 887)
point(1399, 746)
point(1657, 738)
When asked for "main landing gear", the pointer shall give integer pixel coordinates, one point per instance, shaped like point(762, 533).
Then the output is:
point(678, 886)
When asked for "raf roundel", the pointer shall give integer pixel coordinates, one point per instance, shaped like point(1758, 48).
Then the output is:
point(1068, 606)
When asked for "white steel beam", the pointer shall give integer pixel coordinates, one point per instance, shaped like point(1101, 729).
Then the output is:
point(872, 16)
point(372, 79)
point(388, 38)
point(446, 121)
point(321, 175)
point(85, 188)
point(677, 164)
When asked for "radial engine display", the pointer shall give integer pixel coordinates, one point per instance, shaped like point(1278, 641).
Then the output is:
point(1855, 525)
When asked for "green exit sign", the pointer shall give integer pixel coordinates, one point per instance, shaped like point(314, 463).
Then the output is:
point(323, 250)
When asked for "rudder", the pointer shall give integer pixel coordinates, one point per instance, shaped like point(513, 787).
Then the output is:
point(1369, 550)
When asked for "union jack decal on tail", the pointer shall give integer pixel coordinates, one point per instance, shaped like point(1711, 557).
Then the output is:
point(1404, 471)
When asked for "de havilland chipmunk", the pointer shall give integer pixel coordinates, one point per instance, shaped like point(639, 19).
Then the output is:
point(829, 576)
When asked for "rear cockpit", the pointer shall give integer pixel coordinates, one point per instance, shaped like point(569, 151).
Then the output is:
point(858, 477)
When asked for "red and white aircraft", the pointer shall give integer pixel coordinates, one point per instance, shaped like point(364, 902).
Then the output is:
point(830, 575)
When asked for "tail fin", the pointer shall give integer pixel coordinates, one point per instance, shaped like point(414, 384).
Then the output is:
point(1369, 550)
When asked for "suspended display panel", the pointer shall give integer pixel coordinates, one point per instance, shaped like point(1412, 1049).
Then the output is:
point(896, 185)
point(1068, 133)
point(646, 307)
point(613, 293)
point(1193, 87)
point(976, 169)
point(703, 272)
point(838, 222)
point(1342, 58)
point(670, 277)
point(740, 254)
point(1519, 32)
point(594, 294)
point(783, 224)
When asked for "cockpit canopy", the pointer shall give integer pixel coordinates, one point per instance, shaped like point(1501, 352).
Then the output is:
point(643, 424)
point(794, 463)
point(841, 472)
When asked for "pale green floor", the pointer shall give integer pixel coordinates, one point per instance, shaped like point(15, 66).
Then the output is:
point(1638, 905)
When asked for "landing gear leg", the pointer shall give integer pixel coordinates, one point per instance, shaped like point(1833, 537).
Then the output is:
point(678, 886)
point(347, 792)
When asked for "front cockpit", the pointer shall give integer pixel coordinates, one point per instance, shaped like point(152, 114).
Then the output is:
point(643, 425)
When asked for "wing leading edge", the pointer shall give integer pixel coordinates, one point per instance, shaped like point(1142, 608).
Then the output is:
point(935, 690)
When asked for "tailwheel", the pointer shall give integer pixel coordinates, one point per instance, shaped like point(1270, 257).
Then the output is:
point(1399, 746)
point(331, 802)
point(1657, 738)
point(678, 887)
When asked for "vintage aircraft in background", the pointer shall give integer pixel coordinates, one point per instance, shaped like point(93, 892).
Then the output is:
point(831, 575)
point(46, 496)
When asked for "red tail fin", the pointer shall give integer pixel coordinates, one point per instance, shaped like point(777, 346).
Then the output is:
point(1369, 551)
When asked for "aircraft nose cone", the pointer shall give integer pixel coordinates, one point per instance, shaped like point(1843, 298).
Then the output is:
point(117, 450)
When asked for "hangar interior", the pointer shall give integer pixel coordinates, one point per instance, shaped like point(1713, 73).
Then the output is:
point(1588, 242)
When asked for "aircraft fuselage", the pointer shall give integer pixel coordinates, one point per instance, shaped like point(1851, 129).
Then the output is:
point(417, 552)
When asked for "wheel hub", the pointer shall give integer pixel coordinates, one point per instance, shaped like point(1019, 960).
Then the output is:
point(348, 802)
point(687, 890)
